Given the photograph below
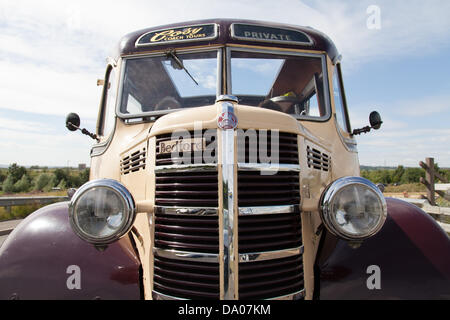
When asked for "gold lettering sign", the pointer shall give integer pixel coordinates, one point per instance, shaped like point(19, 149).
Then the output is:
point(190, 33)
point(171, 34)
point(182, 145)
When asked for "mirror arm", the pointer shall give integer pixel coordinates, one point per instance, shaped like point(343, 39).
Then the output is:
point(362, 130)
point(84, 131)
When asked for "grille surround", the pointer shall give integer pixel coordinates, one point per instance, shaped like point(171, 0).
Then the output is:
point(189, 195)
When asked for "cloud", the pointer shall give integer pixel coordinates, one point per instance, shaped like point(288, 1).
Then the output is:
point(40, 89)
point(406, 147)
point(424, 106)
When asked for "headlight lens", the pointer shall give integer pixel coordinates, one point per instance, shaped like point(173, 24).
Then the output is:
point(102, 211)
point(353, 208)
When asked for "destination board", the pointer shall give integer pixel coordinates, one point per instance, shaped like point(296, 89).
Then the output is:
point(181, 34)
point(269, 34)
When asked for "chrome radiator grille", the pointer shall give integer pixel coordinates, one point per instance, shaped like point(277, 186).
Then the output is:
point(255, 189)
point(258, 233)
point(187, 189)
point(186, 279)
point(187, 233)
point(270, 278)
point(186, 247)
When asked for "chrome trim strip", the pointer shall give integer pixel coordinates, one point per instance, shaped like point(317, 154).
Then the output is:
point(268, 167)
point(187, 167)
point(229, 289)
point(293, 296)
point(270, 255)
point(227, 97)
point(186, 211)
point(186, 255)
point(269, 210)
point(160, 296)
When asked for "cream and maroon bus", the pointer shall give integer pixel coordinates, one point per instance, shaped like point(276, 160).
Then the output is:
point(224, 167)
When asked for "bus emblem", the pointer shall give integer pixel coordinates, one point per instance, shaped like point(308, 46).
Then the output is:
point(227, 120)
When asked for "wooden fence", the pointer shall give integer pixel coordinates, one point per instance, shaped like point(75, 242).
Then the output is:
point(430, 177)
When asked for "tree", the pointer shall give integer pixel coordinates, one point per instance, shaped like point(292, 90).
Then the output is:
point(23, 185)
point(84, 175)
point(2, 176)
point(398, 174)
point(61, 174)
point(8, 184)
point(16, 172)
point(42, 181)
point(412, 175)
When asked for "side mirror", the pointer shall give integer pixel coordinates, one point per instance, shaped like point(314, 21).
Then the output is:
point(375, 123)
point(73, 124)
point(375, 120)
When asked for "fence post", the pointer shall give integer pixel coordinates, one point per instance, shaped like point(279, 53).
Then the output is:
point(429, 176)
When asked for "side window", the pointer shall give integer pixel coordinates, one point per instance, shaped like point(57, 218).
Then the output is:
point(108, 113)
point(339, 100)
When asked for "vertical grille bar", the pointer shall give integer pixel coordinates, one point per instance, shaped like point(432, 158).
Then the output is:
point(228, 214)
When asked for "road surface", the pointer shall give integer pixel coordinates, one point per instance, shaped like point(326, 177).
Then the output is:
point(6, 227)
point(2, 239)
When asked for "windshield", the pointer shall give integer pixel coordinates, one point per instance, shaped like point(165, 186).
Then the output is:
point(170, 81)
point(292, 84)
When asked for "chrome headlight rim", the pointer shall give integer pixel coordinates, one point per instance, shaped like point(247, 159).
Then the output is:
point(125, 197)
point(327, 215)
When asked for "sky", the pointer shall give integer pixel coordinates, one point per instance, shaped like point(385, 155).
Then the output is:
point(395, 60)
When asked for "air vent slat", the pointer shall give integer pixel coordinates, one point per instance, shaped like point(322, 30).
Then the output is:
point(133, 162)
point(317, 160)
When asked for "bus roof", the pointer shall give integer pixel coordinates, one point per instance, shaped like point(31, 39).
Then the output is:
point(226, 31)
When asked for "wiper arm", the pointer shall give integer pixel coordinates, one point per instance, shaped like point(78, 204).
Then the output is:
point(178, 64)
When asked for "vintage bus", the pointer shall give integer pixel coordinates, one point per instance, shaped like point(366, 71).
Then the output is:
point(225, 167)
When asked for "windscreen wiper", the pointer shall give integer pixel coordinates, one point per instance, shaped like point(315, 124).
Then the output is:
point(178, 64)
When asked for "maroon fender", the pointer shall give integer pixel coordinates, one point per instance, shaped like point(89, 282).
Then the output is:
point(412, 253)
point(40, 258)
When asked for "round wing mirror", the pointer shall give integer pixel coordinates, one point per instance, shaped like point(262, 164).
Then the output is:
point(72, 121)
point(375, 120)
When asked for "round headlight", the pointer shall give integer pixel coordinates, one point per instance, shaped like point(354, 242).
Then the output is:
point(101, 211)
point(353, 208)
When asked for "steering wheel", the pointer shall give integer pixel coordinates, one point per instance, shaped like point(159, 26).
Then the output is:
point(287, 104)
point(168, 103)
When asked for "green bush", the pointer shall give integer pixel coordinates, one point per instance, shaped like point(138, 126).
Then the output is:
point(8, 184)
point(42, 181)
point(23, 185)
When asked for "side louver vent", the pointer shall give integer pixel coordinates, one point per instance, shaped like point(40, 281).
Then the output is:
point(133, 162)
point(317, 160)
